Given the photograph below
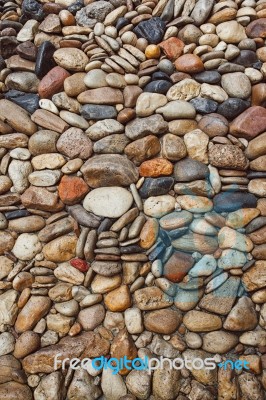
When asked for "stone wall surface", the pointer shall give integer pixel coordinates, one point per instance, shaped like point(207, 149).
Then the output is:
point(132, 197)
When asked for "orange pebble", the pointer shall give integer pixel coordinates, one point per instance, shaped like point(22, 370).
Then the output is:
point(152, 51)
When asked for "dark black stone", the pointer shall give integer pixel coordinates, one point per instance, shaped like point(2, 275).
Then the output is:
point(204, 106)
point(8, 46)
point(257, 65)
point(176, 233)
point(159, 75)
point(158, 87)
point(255, 224)
point(232, 201)
point(232, 107)
point(256, 174)
point(10, 24)
point(210, 77)
point(105, 225)
point(188, 170)
point(246, 58)
point(131, 249)
point(98, 112)
point(121, 22)
point(76, 7)
point(28, 101)
point(2, 63)
point(44, 60)
point(16, 214)
point(156, 187)
point(157, 252)
point(165, 238)
point(153, 30)
point(31, 9)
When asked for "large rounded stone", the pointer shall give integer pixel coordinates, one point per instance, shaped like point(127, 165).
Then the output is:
point(109, 170)
point(109, 202)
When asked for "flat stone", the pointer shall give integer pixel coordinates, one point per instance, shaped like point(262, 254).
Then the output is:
point(141, 127)
point(88, 344)
point(16, 117)
point(15, 391)
point(71, 59)
point(107, 95)
point(198, 321)
point(227, 156)
point(91, 317)
point(172, 47)
point(52, 82)
point(104, 128)
point(177, 109)
point(257, 28)
point(254, 278)
point(204, 106)
point(231, 32)
point(210, 77)
point(188, 170)
point(156, 167)
point(44, 59)
point(106, 268)
point(158, 206)
point(219, 342)
point(162, 321)
point(186, 89)
point(109, 170)
point(178, 266)
point(149, 233)
point(201, 11)
point(241, 218)
point(109, 202)
point(43, 141)
point(231, 259)
point(232, 201)
point(204, 267)
point(32, 312)
point(98, 112)
point(74, 85)
point(50, 121)
point(250, 123)
point(60, 249)
point(192, 242)
point(27, 246)
point(152, 30)
point(72, 189)
point(232, 107)
point(196, 143)
point(160, 300)
point(147, 103)
point(40, 199)
point(158, 86)
point(214, 125)
point(28, 101)
point(236, 85)
point(242, 317)
point(22, 81)
point(156, 187)
point(83, 145)
point(142, 149)
point(189, 63)
point(27, 50)
point(229, 238)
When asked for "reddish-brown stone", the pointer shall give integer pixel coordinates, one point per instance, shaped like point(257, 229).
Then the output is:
point(258, 96)
point(250, 123)
point(40, 198)
point(79, 264)
point(257, 28)
point(178, 266)
point(72, 189)
point(156, 167)
point(189, 63)
point(172, 47)
point(126, 115)
point(53, 82)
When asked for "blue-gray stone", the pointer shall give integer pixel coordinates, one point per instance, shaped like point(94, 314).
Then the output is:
point(44, 60)
point(28, 101)
point(98, 112)
point(211, 77)
point(232, 107)
point(161, 87)
point(156, 187)
point(153, 30)
point(204, 106)
point(232, 201)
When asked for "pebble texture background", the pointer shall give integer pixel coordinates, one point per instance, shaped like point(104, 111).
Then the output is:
point(132, 196)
